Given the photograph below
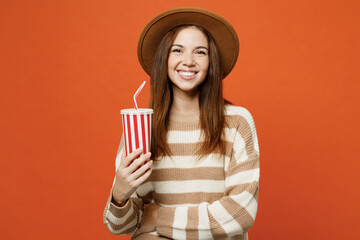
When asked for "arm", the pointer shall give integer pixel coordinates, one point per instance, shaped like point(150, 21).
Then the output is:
point(124, 208)
point(234, 213)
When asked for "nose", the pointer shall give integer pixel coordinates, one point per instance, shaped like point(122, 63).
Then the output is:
point(188, 59)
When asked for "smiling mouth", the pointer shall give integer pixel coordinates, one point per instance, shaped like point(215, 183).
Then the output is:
point(187, 74)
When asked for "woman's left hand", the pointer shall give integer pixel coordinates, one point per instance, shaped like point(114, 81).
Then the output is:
point(148, 219)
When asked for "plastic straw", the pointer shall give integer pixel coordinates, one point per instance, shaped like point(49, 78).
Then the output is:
point(137, 93)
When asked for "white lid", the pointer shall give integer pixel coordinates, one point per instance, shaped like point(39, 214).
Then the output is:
point(137, 111)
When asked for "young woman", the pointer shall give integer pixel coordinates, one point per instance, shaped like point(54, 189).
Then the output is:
point(203, 179)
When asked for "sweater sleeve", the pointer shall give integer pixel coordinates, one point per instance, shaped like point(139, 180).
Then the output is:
point(235, 212)
point(122, 220)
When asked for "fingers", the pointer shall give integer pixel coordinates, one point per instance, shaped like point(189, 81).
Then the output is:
point(138, 162)
point(126, 161)
point(142, 179)
point(137, 173)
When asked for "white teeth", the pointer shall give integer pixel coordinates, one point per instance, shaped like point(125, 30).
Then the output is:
point(187, 74)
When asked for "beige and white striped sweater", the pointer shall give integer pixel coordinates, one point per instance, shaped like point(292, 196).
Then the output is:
point(215, 197)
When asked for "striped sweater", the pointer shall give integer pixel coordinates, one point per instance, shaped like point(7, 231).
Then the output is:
point(215, 197)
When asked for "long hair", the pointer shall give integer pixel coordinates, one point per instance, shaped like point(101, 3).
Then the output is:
point(211, 101)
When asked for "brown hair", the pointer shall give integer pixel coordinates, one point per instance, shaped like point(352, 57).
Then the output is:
point(211, 102)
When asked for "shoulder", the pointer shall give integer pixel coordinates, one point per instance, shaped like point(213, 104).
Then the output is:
point(241, 119)
point(236, 112)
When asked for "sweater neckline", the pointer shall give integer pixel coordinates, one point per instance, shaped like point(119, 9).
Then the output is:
point(184, 117)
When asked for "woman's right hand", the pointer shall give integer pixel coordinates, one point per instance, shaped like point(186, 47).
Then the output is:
point(131, 173)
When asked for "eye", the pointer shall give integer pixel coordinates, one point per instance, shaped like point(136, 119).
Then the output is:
point(176, 50)
point(201, 52)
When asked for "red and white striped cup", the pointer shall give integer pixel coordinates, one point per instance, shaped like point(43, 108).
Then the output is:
point(137, 129)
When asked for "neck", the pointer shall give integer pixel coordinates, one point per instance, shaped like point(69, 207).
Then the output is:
point(185, 102)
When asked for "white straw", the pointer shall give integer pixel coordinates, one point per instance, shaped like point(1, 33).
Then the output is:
point(137, 93)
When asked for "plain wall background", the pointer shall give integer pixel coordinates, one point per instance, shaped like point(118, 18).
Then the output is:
point(68, 67)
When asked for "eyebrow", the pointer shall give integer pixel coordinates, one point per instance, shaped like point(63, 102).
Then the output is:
point(198, 47)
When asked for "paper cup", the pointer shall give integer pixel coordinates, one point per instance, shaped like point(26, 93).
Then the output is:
point(137, 129)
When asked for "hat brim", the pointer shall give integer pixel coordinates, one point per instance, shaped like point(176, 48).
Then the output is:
point(221, 30)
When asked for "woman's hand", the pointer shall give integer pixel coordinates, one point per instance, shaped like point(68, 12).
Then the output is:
point(148, 219)
point(131, 173)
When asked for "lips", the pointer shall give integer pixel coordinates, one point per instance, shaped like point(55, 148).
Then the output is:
point(187, 75)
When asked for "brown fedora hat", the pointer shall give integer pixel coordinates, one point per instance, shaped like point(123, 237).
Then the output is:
point(221, 30)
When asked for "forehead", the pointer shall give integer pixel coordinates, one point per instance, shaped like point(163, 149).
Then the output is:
point(190, 35)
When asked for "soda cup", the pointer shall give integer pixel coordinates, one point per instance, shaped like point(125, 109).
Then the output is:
point(137, 129)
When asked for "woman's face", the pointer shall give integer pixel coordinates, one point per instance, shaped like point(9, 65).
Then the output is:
point(188, 60)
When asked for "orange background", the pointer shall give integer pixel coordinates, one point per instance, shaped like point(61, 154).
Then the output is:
point(68, 67)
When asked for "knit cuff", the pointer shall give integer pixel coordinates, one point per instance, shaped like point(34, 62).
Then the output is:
point(119, 211)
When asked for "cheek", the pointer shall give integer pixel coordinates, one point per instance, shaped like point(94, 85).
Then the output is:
point(171, 62)
point(170, 68)
point(205, 65)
